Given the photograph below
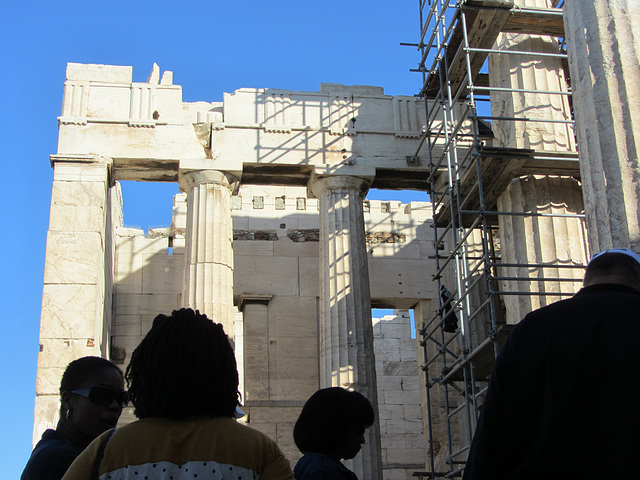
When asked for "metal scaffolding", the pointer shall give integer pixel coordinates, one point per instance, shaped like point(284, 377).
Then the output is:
point(467, 175)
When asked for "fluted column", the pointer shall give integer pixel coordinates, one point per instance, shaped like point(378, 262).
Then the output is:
point(537, 75)
point(208, 275)
point(603, 49)
point(346, 332)
point(535, 239)
point(551, 240)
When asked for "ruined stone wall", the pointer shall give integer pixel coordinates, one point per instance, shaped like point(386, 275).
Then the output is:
point(336, 142)
point(276, 289)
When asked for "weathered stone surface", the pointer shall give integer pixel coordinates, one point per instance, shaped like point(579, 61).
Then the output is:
point(551, 241)
point(99, 73)
point(46, 414)
point(602, 46)
point(74, 257)
point(144, 131)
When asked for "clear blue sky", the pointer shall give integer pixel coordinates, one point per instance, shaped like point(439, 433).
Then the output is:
point(212, 47)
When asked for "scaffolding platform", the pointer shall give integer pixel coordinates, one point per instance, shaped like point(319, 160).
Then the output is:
point(485, 20)
point(467, 176)
point(498, 166)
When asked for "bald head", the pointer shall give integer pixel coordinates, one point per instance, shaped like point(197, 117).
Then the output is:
point(613, 267)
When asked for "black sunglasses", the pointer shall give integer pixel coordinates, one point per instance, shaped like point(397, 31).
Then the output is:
point(103, 396)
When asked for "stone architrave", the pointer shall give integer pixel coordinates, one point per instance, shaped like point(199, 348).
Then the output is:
point(604, 60)
point(208, 275)
point(76, 300)
point(346, 334)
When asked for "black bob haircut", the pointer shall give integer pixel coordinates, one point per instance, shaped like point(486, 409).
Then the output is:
point(184, 367)
point(81, 369)
point(327, 416)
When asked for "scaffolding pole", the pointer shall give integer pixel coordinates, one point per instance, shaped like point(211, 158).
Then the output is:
point(457, 362)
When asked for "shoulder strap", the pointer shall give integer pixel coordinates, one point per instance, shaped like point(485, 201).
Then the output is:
point(103, 446)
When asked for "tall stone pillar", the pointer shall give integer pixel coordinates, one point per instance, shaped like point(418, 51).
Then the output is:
point(604, 61)
point(536, 75)
point(208, 274)
point(551, 240)
point(76, 298)
point(346, 332)
point(535, 239)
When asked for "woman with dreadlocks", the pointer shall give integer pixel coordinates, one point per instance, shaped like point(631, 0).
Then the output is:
point(183, 383)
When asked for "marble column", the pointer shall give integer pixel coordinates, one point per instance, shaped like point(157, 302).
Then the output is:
point(78, 275)
point(535, 239)
point(551, 240)
point(538, 75)
point(346, 332)
point(604, 61)
point(208, 275)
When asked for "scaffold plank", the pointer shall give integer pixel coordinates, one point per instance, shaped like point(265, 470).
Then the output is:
point(536, 22)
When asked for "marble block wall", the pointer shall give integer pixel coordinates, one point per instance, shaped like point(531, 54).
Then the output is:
point(77, 292)
point(404, 448)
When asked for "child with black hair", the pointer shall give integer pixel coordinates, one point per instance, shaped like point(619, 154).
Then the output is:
point(331, 427)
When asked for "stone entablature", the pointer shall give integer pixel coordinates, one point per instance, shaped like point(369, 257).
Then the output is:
point(149, 131)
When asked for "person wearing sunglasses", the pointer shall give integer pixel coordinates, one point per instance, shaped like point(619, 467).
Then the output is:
point(331, 427)
point(91, 400)
point(183, 383)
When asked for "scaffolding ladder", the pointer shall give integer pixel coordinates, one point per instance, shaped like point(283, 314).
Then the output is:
point(467, 174)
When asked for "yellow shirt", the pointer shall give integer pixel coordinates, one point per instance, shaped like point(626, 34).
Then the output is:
point(195, 448)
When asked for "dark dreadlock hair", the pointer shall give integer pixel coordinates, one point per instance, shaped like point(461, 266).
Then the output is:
point(183, 367)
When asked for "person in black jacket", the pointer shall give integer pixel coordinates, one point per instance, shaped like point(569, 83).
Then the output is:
point(563, 397)
point(91, 400)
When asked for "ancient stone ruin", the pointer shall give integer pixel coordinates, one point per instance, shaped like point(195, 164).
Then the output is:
point(273, 237)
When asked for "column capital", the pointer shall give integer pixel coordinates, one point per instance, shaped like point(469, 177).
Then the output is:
point(246, 298)
point(188, 178)
point(331, 178)
point(78, 158)
point(82, 167)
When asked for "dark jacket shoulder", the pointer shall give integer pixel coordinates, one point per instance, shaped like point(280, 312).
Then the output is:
point(50, 458)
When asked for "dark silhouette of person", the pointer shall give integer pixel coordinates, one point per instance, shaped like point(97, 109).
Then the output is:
point(562, 401)
point(331, 427)
point(91, 400)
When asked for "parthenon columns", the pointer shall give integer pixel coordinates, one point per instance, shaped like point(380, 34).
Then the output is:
point(545, 230)
point(536, 76)
point(547, 206)
point(604, 60)
point(208, 277)
point(346, 332)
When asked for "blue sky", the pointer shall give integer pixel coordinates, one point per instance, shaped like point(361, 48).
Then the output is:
point(212, 47)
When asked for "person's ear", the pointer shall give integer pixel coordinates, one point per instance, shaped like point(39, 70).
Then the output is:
point(68, 401)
